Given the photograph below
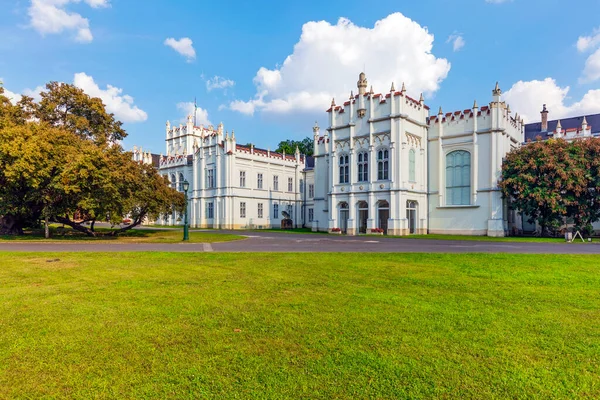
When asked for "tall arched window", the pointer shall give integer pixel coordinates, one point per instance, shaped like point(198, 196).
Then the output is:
point(411, 166)
point(458, 178)
point(344, 168)
point(383, 164)
point(181, 179)
point(363, 167)
point(173, 181)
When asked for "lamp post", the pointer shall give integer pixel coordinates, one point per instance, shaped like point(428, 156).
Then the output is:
point(186, 233)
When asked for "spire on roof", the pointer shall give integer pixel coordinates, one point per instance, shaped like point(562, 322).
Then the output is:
point(392, 89)
point(371, 90)
point(440, 112)
point(508, 108)
point(584, 123)
point(475, 104)
point(558, 125)
point(351, 95)
point(362, 83)
point(403, 88)
point(333, 102)
point(497, 91)
point(421, 99)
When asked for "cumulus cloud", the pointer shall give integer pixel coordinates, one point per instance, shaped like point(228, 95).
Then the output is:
point(458, 42)
point(183, 46)
point(527, 99)
point(121, 105)
point(591, 70)
point(187, 108)
point(327, 59)
point(218, 82)
point(51, 17)
point(15, 97)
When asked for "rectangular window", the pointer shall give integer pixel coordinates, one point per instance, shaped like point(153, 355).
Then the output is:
point(458, 178)
point(259, 181)
point(289, 210)
point(311, 215)
point(275, 211)
point(210, 211)
point(242, 210)
point(242, 178)
point(210, 178)
point(275, 182)
point(412, 165)
point(260, 210)
point(290, 184)
point(311, 191)
point(344, 169)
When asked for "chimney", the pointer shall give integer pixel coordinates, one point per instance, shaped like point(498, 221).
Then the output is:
point(544, 113)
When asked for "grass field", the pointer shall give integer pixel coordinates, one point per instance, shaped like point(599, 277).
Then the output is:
point(132, 236)
point(158, 325)
point(522, 239)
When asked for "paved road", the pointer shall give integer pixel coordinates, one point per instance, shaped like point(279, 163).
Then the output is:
point(295, 242)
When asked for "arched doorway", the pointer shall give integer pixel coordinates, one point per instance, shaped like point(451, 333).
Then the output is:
point(363, 216)
point(344, 215)
point(383, 214)
point(411, 216)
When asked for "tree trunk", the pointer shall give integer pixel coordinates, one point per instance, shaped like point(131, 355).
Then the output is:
point(46, 228)
point(92, 225)
point(135, 223)
point(75, 225)
point(10, 225)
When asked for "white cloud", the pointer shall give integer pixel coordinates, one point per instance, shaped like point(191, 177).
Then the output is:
point(188, 109)
point(121, 105)
point(527, 98)
point(218, 82)
point(458, 42)
point(15, 97)
point(591, 70)
point(183, 46)
point(50, 17)
point(327, 59)
point(34, 93)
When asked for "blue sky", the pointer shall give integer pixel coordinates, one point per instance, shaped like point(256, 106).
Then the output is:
point(541, 51)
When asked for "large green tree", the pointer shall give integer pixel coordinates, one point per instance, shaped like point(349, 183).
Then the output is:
point(553, 180)
point(61, 158)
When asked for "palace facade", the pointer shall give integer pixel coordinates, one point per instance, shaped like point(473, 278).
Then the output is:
point(383, 164)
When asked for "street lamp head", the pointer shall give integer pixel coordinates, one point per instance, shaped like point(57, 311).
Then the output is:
point(186, 186)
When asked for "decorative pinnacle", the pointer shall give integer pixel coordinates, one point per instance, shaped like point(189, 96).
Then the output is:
point(440, 112)
point(421, 99)
point(497, 91)
point(508, 108)
point(558, 125)
point(403, 88)
point(333, 102)
point(351, 95)
point(371, 90)
point(584, 121)
point(392, 89)
point(475, 104)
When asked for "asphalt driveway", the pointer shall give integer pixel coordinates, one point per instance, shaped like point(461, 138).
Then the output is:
point(296, 242)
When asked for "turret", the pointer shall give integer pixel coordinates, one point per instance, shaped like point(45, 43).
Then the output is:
point(316, 130)
point(362, 88)
point(558, 128)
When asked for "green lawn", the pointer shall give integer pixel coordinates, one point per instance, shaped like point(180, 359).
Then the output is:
point(133, 236)
point(346, 326)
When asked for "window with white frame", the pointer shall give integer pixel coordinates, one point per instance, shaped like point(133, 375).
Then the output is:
point(311, 214)
point(173, 181)
point(260, 210)
point(383, 164)
point(458, 178)
point(242, 178)
point(275, 182)
point(210, 178)
point(411, 165)
point(259, 181)
point(363, 166)
point(289, 210)
point(275, 211)
point(210, 211)
point(344, 167)
point(181, 179)
point(311, 191)
point(290, 184)
point(242, 209)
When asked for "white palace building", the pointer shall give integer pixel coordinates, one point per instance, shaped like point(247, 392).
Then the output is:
point(383, 164)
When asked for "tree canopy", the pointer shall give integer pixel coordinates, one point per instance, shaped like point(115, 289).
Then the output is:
point(60, 160)
point(552, 180)
point(305, 146)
